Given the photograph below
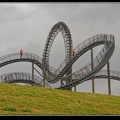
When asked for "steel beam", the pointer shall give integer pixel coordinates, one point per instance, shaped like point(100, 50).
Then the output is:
point(109, 85)
point(93, 88)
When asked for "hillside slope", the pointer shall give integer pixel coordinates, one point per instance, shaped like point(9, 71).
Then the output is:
point(33, 100)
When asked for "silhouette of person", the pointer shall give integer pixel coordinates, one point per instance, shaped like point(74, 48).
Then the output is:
point(21, 52)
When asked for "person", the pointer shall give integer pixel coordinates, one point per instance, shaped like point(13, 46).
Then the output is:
point(21, 52)
point(73, 52)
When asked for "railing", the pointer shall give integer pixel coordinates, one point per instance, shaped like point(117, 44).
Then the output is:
point(23, 77)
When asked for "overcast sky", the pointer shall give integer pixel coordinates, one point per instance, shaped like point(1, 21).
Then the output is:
point(27, 25)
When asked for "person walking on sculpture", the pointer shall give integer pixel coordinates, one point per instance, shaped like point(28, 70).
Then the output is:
point(21, 52)
point(73, 52)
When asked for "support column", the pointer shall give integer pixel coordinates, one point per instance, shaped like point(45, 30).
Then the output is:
point(75, 88)
point(70, 70)
point(32, 70)
point(62, 82)
point(93, 88)
point(109, 85)
point(44, 81)
point(69, 80)
point(44, 78)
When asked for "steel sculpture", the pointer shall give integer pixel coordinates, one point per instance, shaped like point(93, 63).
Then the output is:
point(64, 71)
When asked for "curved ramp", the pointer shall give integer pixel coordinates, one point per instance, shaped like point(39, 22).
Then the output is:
point(115, 75)
point(26, 57)
point(23, 77)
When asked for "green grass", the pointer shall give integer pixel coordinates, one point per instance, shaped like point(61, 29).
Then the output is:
point(34, 100)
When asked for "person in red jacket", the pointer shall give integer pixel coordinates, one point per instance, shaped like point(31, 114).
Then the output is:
point(73, 52)
point(21, 52)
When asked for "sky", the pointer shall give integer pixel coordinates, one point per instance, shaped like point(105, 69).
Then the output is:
point(26, 26)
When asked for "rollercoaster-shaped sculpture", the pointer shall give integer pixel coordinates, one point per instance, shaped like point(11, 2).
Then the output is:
point(64, 73)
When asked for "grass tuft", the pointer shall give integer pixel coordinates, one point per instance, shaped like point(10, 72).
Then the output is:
point(9, 108)
point(26, 110)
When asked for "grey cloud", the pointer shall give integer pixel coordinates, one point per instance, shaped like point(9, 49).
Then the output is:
point(10, 12)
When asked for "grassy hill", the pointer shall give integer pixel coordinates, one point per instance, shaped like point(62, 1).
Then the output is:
point(33, 100)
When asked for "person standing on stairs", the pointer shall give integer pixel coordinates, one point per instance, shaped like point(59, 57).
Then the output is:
point(21, 52)
point(73, 53)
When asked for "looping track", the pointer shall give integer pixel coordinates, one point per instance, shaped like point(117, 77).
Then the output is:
point(64, 71)
point(84, 73)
